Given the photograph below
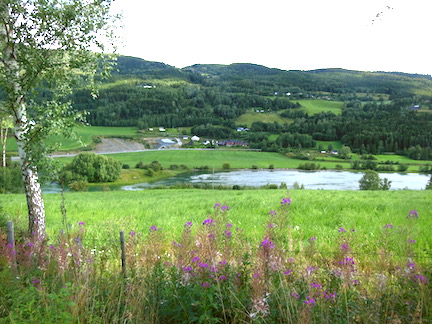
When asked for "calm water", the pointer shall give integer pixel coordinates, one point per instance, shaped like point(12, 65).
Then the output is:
point(330, 180)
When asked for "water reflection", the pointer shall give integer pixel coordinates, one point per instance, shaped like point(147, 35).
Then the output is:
point(330, 180)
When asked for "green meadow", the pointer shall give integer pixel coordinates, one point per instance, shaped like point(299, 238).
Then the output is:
point(84, 136)
point(250, 117)
point(312, 213)
point(316, 106)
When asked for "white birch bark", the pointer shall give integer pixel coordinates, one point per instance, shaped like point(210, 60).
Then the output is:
point(16, 102)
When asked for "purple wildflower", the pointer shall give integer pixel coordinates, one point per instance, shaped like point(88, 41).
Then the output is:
point(314, 285)
point(286, 201)
point(227, 234)
point(195, 259)
point(421, 279)
point(188, 225)
point(203, 265)
point(342, 230)
point(30, 244)
point(344, 247)
point(310, 301)
point(411, 241)
point(229, 225)
point(312, 239)
point(132, 233)
point(205, 285)
point(223, 277)
point(271, 225)
point(267, 243)
point(295, 295)
point(272, 213)
point(288, 272)
point(225, 208)
point(411, 265)
point(209, 222)
point(217, 205)
point(388, 226)
point(413, 214)
point(187, 269)
point(153, 228)
point(81, 223)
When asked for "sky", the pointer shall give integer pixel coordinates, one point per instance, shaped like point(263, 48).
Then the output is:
point(363, 35)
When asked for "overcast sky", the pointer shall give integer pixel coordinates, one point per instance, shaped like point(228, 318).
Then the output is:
point(284, 34)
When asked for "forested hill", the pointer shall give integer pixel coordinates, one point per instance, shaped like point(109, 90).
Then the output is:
point(391, 109)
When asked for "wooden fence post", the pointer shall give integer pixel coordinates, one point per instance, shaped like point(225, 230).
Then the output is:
point(123, 253)
point(11, 244)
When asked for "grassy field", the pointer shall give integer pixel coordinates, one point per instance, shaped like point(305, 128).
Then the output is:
point(213, 159)
point(316, 213)
point(85, 134)
point(250, 117)
point(316, 106)
point(205, 256)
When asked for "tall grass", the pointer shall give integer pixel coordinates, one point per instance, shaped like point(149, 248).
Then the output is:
point(212, 271)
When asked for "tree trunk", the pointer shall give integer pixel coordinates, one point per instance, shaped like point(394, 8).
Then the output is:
point(17, 108)
point(3, 136)
point(32, 188)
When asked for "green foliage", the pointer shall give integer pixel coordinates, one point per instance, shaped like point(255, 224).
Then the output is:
point(372, 181)
point(78, 185)
point(226, 166)
point(93, 168)
point(309, 166)
point(429, 184)
point(10, 179)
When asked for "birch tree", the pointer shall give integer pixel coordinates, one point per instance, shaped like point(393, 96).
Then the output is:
point(5, 125)
point(49, 44)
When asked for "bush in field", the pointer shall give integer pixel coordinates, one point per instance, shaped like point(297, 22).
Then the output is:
point(226, 166)
point(372, 181)
point(402, 167)
point(78, 186)
point(91, 167)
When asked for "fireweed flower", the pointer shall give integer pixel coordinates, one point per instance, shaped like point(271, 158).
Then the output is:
point(310, 301)
point(227, 233)
point(413, 214)
point(286, 201)
point(208, 222)
point(344, 247)
point(421, 279)
point(267, 243)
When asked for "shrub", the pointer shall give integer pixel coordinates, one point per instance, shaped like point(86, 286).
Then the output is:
point(308, 166)
point(402, 167)
point(254, 167)
point(125, 166)
point(226, 166)
point(78, 186)
point(372, 181)
point(271, 167)
point(95, 168)
point(339, 167)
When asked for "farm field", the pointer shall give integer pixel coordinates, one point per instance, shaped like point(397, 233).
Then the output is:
point(316, 106)
point(212, 158)
point(85, 134)
point(250, 117)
